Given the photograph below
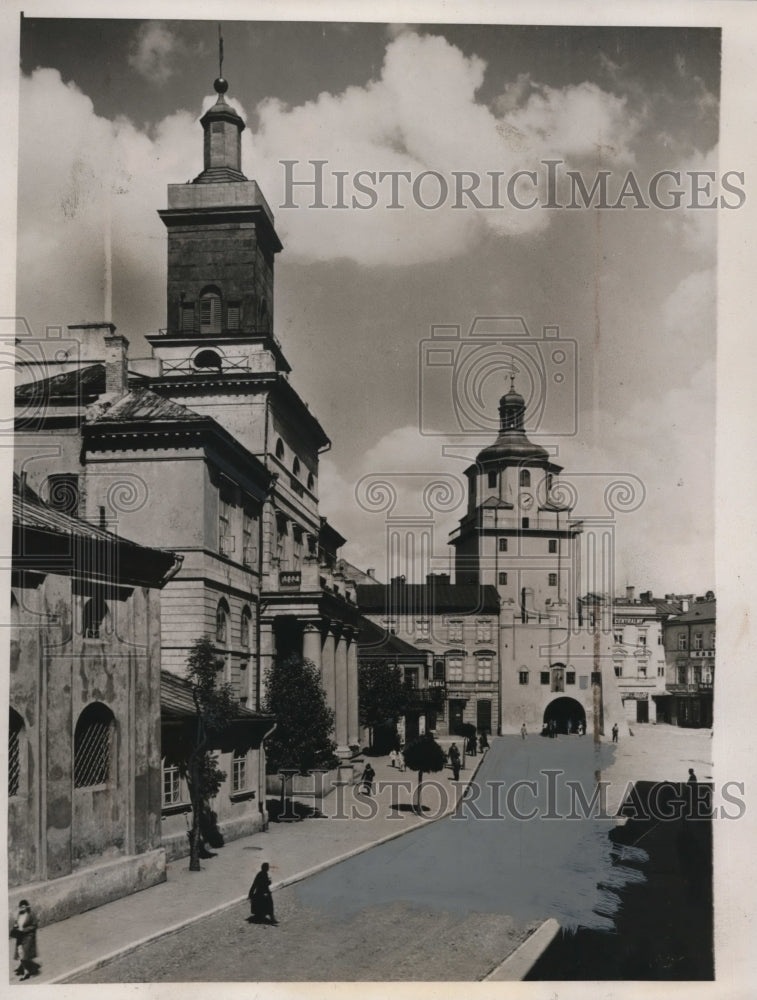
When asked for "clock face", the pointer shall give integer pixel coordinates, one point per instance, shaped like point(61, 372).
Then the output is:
point(526, 500)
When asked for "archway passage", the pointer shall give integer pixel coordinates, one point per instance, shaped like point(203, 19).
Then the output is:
point(565, 711)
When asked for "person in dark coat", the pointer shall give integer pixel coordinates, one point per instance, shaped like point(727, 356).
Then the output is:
point(261, 900)
point(366, 781)
point(24, 934)
point(454, 759)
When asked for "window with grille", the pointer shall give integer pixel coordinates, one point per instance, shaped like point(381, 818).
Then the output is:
point(95, 619)
point(15, 731)
point(93, 746)
point(171, 785)
point(239, 772)
point(553, 579)
point(503, 545)
point(63, 493)
point(523, 677)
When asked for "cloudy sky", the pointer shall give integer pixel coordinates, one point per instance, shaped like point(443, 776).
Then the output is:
point(109, 116)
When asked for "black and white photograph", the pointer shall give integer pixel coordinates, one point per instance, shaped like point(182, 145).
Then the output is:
point(378, 466)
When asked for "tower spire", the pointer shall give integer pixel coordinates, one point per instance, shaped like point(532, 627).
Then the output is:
point(220, 53)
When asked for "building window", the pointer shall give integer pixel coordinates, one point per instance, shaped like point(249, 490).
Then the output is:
point(454, 630)
point(423, 627)
point(642, 638)
point(544, 677)
point(210, 312)
point(618, 667)
point(296, 466)
point(525, 522)
point(660, 639)
point(233, 316)
point(279, 448)
point(552, 545)
point(249, 548)
point(682, 675)
point(239, 771)
point(642, 669)
point(682, 643)
point(503, 545)
point(15, 732)
point(439, 670)
point(187, 317)
point(483, 630)
point(525, 477)
point(454, 668)
point(222, 624)
point(523, 677)
point(411, 677)
point(93, 746)
point(171, 785)
point(503, 579)
point(311, 482)
point(492, 480)
point(245, 630)
point(570, 677)
point(661, 671)
point(618, 638)
point(484, 668)
point(63, 493)
point(553, 579)
point(95, 619)
point(225, 544)
point(698, 640)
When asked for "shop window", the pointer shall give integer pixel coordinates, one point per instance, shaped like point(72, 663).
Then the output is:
point(93, 746)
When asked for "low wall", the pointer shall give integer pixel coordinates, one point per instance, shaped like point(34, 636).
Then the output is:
point(315, 786)
point(176, 843)
point(87, 888)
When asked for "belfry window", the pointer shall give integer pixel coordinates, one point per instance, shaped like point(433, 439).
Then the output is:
point(210, 312)
point(525, 477)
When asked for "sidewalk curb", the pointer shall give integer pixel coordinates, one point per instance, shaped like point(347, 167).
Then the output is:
point(516, 966)
point(133, 946)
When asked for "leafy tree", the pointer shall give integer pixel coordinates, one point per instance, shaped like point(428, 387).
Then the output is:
point(215, 709)
point(424, 755)
point(382, 695)
point(304, 722)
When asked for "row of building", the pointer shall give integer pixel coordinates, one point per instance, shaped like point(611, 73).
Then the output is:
point(160, 499)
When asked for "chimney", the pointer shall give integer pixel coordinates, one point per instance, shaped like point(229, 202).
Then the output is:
point(116, 364)
point(646, 597)
point(684, 605)
point(629, 594)
point(371, 572)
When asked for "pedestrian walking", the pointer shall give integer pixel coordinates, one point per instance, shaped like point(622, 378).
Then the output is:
point(483, 741)
point(615, 733)
point(24, 934)
point(692, 778)
point(261, 900)
point(366, 780)
point(581, 728)
point(454, 759)
point(523, 733)
point(393, 758)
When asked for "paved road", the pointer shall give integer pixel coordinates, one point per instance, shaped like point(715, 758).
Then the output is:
point(447, 901)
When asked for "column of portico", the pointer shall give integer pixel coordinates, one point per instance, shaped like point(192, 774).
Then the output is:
point(342, 703)
point(265, 657)
point(311, 643)
point(328, 666)
point(353, 719)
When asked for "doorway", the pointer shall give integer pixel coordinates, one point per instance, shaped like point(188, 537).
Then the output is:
point(564, 712)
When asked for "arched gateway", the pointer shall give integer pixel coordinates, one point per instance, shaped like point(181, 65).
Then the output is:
point(564, 711)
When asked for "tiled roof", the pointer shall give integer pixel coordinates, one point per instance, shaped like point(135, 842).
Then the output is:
point(142, 404)
point(177, 702)
point(698, 610)
point(424, 599)
point(81, 384)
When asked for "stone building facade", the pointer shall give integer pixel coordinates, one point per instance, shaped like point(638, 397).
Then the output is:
point(689, 640)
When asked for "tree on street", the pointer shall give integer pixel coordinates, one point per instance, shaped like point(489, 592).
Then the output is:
point(304, 722)
point(383, 698)
point(215, 709)
point(425, 756)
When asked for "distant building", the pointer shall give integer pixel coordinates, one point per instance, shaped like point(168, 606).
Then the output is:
point(689, 640)
point(638, 655)
point(84, 743)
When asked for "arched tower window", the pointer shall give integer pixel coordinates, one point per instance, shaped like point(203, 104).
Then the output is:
point(222, 623)
point(296, 467)
point(94, 740)
point(210, 311)
point(311, 481)
point(525, 477)
point(279, 448)
point(15, 752)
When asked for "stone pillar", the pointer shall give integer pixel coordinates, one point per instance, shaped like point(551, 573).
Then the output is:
point(353, 718)
point(265, 658)
point(342, 722)
point(328, 666)
point(311, 644)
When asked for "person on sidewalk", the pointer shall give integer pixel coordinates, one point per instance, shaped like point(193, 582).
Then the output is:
point(366, 781)
point(483, 742)
point(261, 900)
point(454, 759)
point(615, 733)
point(523, 731)
point(24, 934)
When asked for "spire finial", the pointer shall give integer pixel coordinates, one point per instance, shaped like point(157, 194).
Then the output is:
point(220, 52)
point(220, 85)
point(511, 370)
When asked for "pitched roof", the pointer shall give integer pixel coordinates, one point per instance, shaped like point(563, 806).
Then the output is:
point(376, 641)
point(81, 385)
point(143, 405)
point(176, 699)
point(702, 610)
point(428, 599)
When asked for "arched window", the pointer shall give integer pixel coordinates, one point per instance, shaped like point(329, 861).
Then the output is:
point(311, 481)
point(246, 628)
point(296, 466)
point(94, 740)
point(279, 448)
point(96, 623)
point(15, 748)
point(210, 311)
point(208, 359)
point(222, 623)
point(525, 477)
